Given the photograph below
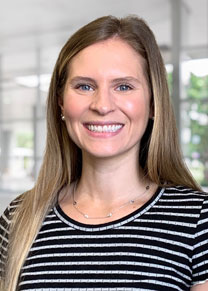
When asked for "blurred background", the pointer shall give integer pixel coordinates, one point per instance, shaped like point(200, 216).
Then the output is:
point(32, 33)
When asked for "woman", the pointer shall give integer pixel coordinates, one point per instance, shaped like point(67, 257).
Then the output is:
point(114, 207)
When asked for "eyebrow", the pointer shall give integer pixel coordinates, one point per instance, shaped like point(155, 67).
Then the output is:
point(126, 79)
point(91, 80)
point(81, 79)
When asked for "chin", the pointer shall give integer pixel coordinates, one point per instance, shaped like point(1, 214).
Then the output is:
point(103, 153)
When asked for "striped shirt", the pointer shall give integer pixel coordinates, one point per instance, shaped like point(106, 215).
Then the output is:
point(161, 246)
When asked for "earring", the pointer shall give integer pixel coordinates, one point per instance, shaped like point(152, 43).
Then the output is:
point(62, 117)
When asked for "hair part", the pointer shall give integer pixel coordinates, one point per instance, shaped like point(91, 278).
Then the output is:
point(160, 156)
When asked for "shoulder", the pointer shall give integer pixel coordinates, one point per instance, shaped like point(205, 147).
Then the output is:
point(192, 207)
point(186, 201)
point(185, 190)
point(6, 217)
point(5, 222)
point(192, 203)
point(185, 194)
point(12, 206)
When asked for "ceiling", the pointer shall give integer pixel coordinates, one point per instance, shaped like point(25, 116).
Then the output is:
point(33, 31)
point(26, 23)
point(27, 26)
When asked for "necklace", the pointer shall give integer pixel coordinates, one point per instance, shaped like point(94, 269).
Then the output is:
point(110, 214)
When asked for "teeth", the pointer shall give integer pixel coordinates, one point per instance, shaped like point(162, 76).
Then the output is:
point(105, 128)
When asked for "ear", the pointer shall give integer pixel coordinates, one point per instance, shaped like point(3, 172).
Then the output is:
point(61, 103)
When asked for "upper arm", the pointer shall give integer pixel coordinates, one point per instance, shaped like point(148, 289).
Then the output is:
point(4, 225)
point(200, 287)
point(200, 252)
point(5, 222)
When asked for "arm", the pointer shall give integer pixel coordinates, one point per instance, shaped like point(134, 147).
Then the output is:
point(5, 221)
point(4, 224)
point(200, 254)
point(200, 287)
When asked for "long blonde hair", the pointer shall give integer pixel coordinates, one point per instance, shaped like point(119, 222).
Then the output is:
point(160, 156)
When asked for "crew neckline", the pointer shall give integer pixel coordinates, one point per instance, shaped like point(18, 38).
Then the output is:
point(109, 225)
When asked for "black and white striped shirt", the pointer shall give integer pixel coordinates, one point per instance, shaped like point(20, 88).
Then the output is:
point(161, 246)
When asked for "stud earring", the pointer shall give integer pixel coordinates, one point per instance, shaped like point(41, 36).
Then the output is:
point(62, 117)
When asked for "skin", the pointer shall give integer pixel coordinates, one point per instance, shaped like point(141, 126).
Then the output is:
point(200, 287)
point(106, 85)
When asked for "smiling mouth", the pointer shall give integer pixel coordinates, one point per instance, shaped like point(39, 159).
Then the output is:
point(104, 128)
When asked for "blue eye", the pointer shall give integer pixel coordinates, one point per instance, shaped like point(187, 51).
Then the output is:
point(124, 88)
point(84, 87)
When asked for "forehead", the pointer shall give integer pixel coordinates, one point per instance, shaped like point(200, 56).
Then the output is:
point(109, 54)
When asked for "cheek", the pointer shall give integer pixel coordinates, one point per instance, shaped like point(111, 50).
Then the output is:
point(136, 108)
point(72, 112)
point(72, 108)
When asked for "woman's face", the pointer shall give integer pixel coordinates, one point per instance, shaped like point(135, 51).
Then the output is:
point(106, 101)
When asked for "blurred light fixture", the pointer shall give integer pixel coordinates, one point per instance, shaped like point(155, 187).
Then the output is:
point(33, 81)
point(197, 67)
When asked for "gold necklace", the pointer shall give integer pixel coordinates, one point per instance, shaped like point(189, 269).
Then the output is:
point(110, 214)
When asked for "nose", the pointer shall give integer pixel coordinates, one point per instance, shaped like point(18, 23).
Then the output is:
point(103, 102)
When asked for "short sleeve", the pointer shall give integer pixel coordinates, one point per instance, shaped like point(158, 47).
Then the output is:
point(5, 222)
point(200, 250)
point(4, 236)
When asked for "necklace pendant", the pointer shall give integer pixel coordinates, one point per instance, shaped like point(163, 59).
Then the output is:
point(132, 201)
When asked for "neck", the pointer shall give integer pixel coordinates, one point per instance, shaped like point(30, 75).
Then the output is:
point(107, 190)
point(111, 179)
